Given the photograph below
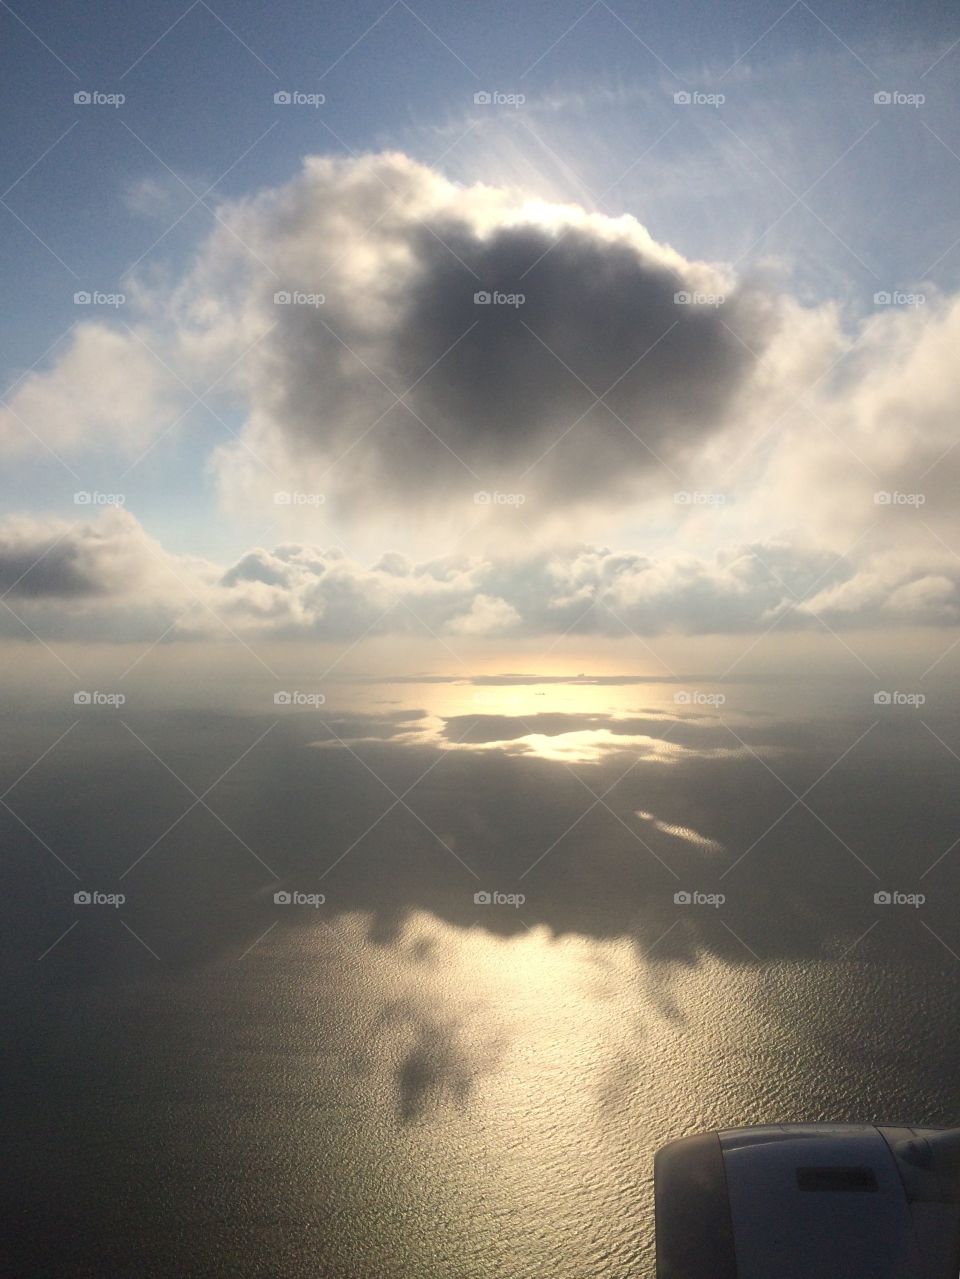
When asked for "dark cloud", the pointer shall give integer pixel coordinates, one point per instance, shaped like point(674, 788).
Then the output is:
point(43, 559)
point(36, 569)
point(496, 387)
point(381, 258)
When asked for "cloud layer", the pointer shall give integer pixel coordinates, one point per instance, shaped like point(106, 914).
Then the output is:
point(109, 580)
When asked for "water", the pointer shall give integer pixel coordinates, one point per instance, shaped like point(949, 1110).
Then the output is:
point(403, 1081)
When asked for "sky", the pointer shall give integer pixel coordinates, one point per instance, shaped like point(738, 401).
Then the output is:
point(441, 337)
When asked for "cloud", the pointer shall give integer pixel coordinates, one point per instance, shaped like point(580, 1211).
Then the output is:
point(575, 371)
point(105, 388)
point(101, 579)
point(487, 616)
point(50, 559)
point(108, 579)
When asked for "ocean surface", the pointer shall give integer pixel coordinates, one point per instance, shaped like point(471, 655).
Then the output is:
point(563, 922)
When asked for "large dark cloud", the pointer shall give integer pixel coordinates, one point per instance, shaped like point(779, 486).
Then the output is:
point(598, 319)
point(495, 388)
point(598, 305)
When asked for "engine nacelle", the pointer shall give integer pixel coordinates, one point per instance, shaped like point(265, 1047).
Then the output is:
point(810, 1201)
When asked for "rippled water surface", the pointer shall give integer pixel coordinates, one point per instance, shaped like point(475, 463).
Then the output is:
point(405, 1080)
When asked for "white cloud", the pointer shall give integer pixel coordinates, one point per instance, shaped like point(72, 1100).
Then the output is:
point(106, 388)
point(487, 616)
point(108, 579)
